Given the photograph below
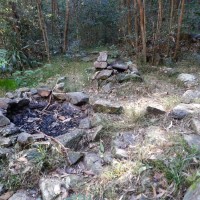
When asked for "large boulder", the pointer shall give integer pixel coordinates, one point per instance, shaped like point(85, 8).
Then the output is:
point(183, 110)
point(190, 96)
point(72, 138)
point(105, 106)
point(77, 98)
point(188, 79)
point(104, 74)
point(193, 193)
point(21, 195)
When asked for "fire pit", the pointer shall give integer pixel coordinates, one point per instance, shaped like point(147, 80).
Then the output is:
point(53, 121)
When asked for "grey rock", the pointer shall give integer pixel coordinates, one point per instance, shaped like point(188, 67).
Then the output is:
point(4, 121)
point(103, 56)
point(33, 91)
point(51, 188)
point(2, 189)
point(74, 157)
point(195, 124)
point(21, 195)
point(4, 103)
point(10, 95)
point(107, 158)
point(77, 98)
point(193, 193)
point(169, 71)
point(4, 152)
point(192, 140)
point(95, 120)
point(100, 65)
point(133, 69)
point(190, 96)
point(119, 153)
point(95, 133)
point(155, 109)
point(59, 96)
point(72, 138)
point(188, 79)
point(183, 110)
point(9, 130)
point(24, 139)
point(85, 123)
point(59, 87)
point(156, 135)
point(107, 88)
point(44, 91)
point(104, 74)
point(61, 79)
point(5, 142)
point(105, 106)
point(119, 65)
point(93, 162)
point(129, 77)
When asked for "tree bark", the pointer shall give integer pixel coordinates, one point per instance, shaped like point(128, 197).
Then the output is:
point(179, 28)
point(136, 26)
point(143, 28)
point(65, 39)
point(43, 28)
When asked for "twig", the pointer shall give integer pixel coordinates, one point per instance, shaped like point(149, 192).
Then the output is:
point(49, 102)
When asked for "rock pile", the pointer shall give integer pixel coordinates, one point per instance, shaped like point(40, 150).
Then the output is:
point(114, 71)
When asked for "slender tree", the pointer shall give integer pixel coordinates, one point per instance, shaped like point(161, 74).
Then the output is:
point(43, 28)
point(65, 39)
point(179, 28)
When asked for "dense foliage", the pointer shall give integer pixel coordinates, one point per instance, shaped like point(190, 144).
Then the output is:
point(31, 30)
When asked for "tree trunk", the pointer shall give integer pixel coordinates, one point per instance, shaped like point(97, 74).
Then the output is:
point(65, 40)
point(179, 28)
point(43, 28)
point(136, 26)
point(143, 28)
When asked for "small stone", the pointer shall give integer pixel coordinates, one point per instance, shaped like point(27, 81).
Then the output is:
point(77, 98)
point(85, 123)
point(51, 188)
point(95, 133)
point(105, 106)
point(128, 77)
point(100, 65)
point(155, 109)
point(33, 91)
point(4, 152)
point(4, 103)
point(103, 56)
point(72, 138)
point(61, 79)
point(190, 96)
point(93, 162)
point(5, 142)
point(119, 65)
point(44, 91)
point(183, 110)
point(104, 74)
point(193, 140)
point(24, 139)
point(3, 120)
point(59, 96)
point(195, 124)
point(107, 88)
point(74, 157)
point(59, 87)
point(188, 79)
point(133, 69)
point(156, 135)
point(21, 195)
point(10, 95)
point(193, 193)
point(120, 153)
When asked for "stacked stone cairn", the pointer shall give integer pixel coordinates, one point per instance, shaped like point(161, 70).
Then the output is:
point(114, 71)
